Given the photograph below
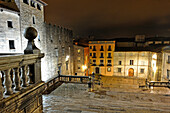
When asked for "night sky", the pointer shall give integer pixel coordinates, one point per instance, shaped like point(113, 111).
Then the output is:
point(111, 18)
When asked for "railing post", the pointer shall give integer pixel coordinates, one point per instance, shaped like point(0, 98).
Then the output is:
point(17, 79)
point(35, 69)
point(8, 82)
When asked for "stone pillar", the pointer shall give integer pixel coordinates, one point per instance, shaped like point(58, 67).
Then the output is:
point(1, 89)
point(35, 69)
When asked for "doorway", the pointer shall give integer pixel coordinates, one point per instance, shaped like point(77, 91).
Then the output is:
point(97, 70)
point(131, 72)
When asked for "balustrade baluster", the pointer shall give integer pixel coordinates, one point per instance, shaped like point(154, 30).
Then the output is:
point(30, 75)
point(12, 77)
point(8, 82)
point(17, 79)
point(24, 76)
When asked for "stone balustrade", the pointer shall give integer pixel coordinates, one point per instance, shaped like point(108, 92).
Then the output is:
point(21, 87)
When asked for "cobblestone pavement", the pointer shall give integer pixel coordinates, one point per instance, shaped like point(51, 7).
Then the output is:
point(75, 98)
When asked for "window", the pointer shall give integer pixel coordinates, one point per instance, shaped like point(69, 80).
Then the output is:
point(101, 63)
point(38, 6)
point(25, 1)
point(101, 49)
point(109, 55)
point(78, 50)
point(101, 55)
point(168, 73)
point(63, 50)
point(32, 4)
point(66, 65)
point(131, 62)
point(120, 62)
point(33, 20)
point(94, 55)
point(56, 52)
point(119, 70)
point(79, 68)
point(90, 54)
point(108, 69)
point(39, 38)
point(94, 48)
point(168, 59)
point(109, 48)
point(109, 63)
point(142, 70)
point(94, 62)
point(9, 24)
point(90, 47)
point(78, 59)
point(142, 62)
point(11, 44)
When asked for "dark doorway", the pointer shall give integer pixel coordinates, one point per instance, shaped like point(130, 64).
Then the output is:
point(97, 70)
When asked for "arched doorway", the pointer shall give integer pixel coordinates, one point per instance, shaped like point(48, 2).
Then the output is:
point(131, 72)
point(97, 70)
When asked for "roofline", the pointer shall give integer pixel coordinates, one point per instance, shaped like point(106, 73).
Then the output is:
point(42, 2)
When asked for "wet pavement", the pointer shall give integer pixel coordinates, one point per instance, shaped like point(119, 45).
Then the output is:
point(75, 98)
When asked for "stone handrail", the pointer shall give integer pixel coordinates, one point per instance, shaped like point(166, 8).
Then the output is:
point(18, 71)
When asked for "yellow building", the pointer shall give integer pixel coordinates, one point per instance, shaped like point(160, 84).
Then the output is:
point(101, 57)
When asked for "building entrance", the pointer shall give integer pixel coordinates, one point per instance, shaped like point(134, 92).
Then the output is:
point(97, 70)
point(131, 72)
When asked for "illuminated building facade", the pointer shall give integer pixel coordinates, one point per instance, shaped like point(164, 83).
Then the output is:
point(101, 57)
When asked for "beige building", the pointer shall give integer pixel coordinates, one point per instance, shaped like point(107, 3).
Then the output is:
point(79, 67)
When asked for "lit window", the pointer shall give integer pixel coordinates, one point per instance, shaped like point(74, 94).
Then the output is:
point(11, 44)
point(10, 24)
point(101, 63)
point(109, 69)
point(131, 62)
point(119, 70)
point(78, 50)
point(142, 70)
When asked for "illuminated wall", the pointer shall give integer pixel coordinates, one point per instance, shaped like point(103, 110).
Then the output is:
point(101, 57)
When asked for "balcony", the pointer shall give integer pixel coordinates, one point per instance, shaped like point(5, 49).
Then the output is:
point(94, 49)
point(101, 49)
point(109, 49)
point(94, 57)
point(109, 64)
point(93, 64)
point(102, 57)
point(101, 65)
point(109, 57)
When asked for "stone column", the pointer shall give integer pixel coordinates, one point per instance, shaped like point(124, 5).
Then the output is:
point(35, 69)
point(1, 89)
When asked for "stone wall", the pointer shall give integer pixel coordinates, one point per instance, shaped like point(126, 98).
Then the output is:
point(58, 49)
point(9, 32)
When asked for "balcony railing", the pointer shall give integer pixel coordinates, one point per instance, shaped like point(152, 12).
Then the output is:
point(20, 79)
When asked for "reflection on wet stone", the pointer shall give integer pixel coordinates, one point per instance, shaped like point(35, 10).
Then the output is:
point(75, 98)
